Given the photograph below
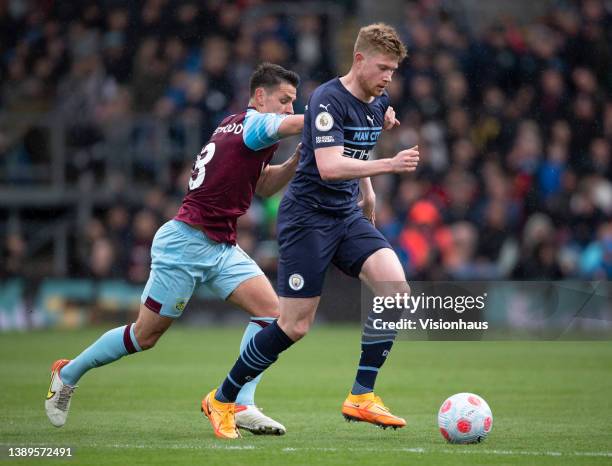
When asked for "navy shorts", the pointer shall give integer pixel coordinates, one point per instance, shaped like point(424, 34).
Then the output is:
point(310, 240)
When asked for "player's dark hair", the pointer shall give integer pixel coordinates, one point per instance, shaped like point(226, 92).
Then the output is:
point(269, 75)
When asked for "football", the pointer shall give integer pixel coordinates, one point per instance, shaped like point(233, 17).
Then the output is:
point(465, 418)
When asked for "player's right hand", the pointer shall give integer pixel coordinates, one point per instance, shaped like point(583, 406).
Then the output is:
point(298, 151)
point(406, 161)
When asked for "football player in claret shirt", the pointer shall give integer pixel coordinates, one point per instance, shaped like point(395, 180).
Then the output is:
point(198, 247)
point(322, 221)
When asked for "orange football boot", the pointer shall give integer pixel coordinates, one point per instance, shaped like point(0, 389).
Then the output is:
point(221, 416)
point(370, 408)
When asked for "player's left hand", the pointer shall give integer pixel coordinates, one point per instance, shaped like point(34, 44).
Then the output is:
point(368, 205)
point(390, 120)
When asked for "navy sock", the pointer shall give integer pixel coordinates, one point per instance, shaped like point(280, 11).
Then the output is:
point(375, 347)
point(372, 358)
point(259, 353)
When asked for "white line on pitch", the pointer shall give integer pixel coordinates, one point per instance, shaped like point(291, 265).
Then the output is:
point(458, 450)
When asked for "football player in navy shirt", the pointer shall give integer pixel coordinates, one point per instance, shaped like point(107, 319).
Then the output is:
point(327, 217)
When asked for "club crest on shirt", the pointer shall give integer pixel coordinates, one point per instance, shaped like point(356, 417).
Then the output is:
point(324, 121)
point(296, 282)
point(180, 305)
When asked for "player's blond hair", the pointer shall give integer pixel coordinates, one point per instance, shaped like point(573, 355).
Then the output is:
point(380, 37)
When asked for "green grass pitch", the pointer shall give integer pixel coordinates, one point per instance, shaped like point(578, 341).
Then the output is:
point(551, 401)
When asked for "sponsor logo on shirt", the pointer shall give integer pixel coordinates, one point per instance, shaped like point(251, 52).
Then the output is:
point(231, 128)
point(359, 154)
point(366, 136)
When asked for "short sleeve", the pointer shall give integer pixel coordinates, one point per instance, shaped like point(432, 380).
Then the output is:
point(261, 129)
point(385, 102)
point(326, 120)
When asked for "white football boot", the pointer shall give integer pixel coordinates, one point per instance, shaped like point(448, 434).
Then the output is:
point(57, 403)
point(250, 417)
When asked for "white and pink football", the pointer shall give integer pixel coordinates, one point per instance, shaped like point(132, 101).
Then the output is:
point(465, 418)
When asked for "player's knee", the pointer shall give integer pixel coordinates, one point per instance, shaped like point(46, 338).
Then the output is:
point(299, 329)
point(273, 307)
point(268, 307)
point(274, 314)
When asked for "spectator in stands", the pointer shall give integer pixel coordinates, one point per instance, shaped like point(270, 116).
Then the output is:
point(514, 123)
point(13, 256)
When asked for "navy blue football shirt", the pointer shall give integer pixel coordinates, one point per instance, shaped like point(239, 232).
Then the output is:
point(335, 117)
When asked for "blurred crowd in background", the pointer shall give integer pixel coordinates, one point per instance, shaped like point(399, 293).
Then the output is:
point(514, 125)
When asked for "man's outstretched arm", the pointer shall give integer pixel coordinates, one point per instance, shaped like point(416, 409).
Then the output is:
point(291, 125)
point(333, 166)
point(275, 177)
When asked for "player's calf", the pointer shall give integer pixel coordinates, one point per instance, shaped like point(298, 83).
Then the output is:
point(146, 339)
point(261, 351)
point(65, 373)
point(113, 345)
